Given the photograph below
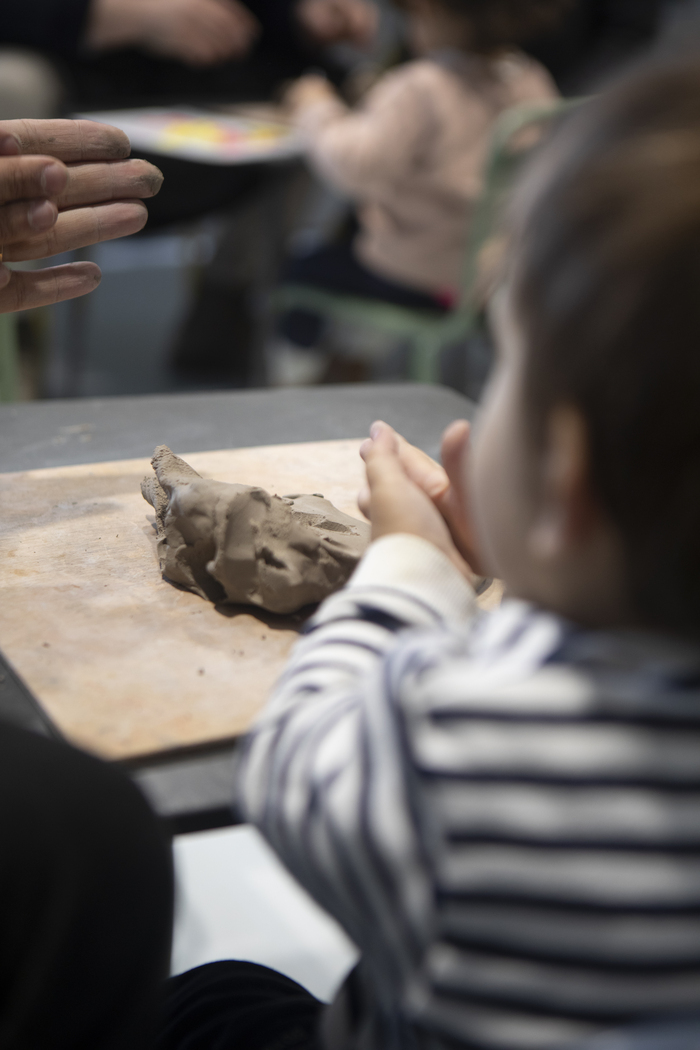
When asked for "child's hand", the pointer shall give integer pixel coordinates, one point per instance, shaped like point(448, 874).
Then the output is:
point(446, 486)
point(396, 503)
point(307, 90)
point(453, 503)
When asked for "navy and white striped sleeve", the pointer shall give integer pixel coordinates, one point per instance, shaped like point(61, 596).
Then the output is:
point(503, 811)
point(322, 771)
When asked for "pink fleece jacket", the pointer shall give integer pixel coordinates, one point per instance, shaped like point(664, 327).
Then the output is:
point(413, 155)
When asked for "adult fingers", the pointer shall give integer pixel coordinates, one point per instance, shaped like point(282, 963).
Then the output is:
point(26, 178)
point(361, 21)
point(244, 25)
point(367, 24)
point(25, 219)
point(26, 289)
point(195, 45)
point(95, 183)
point(222, 38)
point(79, 227)
point(206, 32)
point(234, 23)
point(68, 140)
point(25, 183)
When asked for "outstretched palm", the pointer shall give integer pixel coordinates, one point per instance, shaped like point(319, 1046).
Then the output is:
point(64, 184)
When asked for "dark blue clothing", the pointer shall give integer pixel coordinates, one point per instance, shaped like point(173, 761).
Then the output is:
point(55, 26)
point(335, 268)
point(241, 1005)
point(85, 901)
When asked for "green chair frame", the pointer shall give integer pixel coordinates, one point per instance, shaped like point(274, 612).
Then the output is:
point(9, 358)
point(427, 333)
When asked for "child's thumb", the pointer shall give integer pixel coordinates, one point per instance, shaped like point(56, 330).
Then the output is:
point(384, 438)
point(381, 457)
point(382, 441)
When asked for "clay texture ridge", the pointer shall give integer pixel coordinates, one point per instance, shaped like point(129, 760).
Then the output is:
point(237, 543)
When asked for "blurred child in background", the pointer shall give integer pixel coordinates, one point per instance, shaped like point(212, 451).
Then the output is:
point(412, 155)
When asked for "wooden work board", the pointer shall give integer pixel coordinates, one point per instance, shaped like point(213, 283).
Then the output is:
point(124, 663)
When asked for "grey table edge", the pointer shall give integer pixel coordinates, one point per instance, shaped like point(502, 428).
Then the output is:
point(193, 790)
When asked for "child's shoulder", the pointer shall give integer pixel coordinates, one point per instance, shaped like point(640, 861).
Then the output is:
point(438, 69)
point(416, 91)
point(428, 85)
point(417, 75)
point(525, 660)
point(444, 72)
point(499, 661)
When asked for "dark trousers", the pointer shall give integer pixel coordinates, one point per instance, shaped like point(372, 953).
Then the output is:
point(335, 268)
point(85, 902)
point(85, 924)
point(235, 1005)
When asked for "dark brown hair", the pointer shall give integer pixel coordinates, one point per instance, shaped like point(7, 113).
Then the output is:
point(497, 24)
point(606, 283)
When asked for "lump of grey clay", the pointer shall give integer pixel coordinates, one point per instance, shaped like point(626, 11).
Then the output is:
point(237, 543)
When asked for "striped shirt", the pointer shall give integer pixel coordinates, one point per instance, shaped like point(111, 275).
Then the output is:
point(502, 810)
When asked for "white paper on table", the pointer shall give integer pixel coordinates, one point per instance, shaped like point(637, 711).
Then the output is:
point(203, 135)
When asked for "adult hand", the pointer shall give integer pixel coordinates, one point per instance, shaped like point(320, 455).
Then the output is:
point(338, 21)
point(445, 486)
point(196, 32)
point(64, 184)
point(395, 503)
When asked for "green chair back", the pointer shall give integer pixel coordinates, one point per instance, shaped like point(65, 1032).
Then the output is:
point(517, 133)
point(9, 358)
point(429, 333)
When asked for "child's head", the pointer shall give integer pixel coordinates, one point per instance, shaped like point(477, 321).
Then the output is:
point(587, 469)
point(482, 26)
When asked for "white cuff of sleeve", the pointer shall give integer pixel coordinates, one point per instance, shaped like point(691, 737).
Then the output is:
point(418, 568)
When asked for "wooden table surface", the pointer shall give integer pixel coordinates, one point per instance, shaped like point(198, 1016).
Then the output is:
point(192, 789)
point(124, 663)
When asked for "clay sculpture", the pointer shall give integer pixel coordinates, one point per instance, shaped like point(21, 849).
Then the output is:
point(238, 543)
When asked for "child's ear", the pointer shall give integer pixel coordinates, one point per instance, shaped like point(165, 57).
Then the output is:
point(567, 511)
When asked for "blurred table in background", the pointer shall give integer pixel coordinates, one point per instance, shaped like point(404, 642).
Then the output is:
point(192, 790)
point(231, 135)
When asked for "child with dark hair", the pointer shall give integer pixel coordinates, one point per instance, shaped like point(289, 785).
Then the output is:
point(503, 809)
point(412, 155)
